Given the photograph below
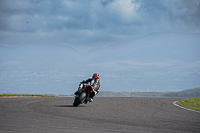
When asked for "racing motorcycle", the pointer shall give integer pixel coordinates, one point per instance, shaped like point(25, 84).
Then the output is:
point(82, 95)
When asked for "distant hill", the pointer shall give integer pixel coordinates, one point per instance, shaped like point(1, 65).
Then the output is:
point(185, 93)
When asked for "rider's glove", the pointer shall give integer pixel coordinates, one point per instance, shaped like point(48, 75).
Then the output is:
point(83, 81)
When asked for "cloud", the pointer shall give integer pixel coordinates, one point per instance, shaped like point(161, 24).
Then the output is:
point(93, 23)
point(125, 11)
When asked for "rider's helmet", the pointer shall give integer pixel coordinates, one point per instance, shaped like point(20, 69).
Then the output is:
point(95, 75)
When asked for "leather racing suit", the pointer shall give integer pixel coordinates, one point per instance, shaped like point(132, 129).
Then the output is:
point(94, 84)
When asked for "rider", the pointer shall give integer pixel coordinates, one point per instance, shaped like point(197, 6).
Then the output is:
point(94, 84)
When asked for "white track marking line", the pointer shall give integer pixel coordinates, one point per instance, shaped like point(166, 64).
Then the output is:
point(184, 107)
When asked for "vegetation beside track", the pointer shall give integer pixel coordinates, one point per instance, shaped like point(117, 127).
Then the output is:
point(191, 103)
point(25, 95)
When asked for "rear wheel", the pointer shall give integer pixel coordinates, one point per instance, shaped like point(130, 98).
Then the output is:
point(78, 100)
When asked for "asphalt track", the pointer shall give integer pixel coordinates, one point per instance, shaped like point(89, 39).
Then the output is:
point(109, 115)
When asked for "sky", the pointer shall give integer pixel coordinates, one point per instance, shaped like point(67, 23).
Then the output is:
point(145, 44)
point(92, 23)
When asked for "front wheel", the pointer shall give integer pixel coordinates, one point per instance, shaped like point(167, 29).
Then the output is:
point(79, 99)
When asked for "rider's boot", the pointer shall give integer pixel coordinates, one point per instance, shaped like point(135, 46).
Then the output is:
point(91, 97)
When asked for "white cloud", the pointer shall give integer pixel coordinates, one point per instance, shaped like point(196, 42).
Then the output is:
point(69, 4)
point(95, 22)
point(126, 10)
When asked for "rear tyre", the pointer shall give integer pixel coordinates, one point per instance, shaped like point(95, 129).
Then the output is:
point(78, 100)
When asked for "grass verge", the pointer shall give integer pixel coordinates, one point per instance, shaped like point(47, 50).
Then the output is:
point(25, 95)
point(190, 103)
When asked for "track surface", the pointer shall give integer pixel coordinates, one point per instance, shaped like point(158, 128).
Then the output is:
point(55, 115)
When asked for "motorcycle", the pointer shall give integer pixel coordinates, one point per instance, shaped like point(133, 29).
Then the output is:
point(82, 95)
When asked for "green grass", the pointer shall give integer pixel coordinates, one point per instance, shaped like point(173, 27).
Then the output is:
point(25, 95)
point(191, 103)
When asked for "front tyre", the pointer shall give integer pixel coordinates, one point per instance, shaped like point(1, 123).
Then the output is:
point(79, 99)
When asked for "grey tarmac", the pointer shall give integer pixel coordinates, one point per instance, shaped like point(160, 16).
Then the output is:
point(104, 114)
